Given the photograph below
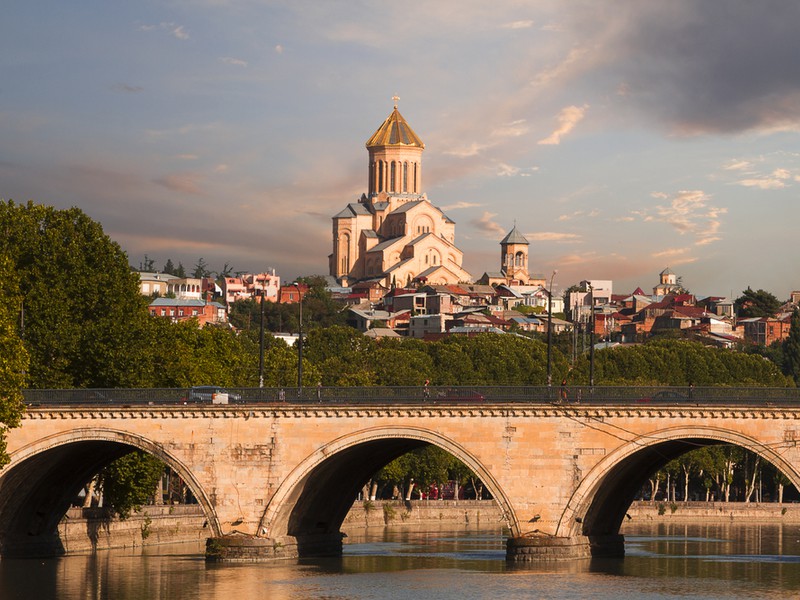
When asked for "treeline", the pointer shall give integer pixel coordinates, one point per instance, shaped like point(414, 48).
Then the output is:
point(718, 473)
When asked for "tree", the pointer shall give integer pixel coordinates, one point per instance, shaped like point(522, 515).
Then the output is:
point(791, 349)
point(129, 482)
point(148, 264)
point(13, 356)
point(201, 269)
point(169, 268)
point(180, 271)
point(84, 315)
point(756, 304)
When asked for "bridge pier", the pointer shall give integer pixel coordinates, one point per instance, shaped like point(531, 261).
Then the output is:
point(544, 548)
point(247, 548)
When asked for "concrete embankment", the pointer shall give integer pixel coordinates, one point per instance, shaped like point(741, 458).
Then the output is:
point(703, 512)
point(87, 529)
point(84, 530)
point(380, 513)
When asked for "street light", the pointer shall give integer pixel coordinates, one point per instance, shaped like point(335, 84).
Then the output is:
point(591, 336)
point(550, 330)
point(299, 341)
point(261, 344)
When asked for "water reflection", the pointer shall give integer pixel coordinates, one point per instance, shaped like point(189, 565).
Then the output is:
point(663, 561)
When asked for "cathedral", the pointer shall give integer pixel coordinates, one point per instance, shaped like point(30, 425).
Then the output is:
point(393, 235)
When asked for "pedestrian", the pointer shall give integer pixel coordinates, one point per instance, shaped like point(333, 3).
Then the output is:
point(426, 392)
point(563, 397)
point(319, 391)
point(282, 395)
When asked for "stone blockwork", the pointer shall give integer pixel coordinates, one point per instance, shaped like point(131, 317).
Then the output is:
point(89, 529)
point(290, 471)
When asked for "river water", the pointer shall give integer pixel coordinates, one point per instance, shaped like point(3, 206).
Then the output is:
point(662, 561)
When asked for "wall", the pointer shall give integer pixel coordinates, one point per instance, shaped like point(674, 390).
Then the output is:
point(88, 529)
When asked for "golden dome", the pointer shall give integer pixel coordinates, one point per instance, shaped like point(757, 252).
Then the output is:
point(395, 132)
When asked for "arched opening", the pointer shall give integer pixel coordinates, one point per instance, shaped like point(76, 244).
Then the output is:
point(314, 500)
point(41, 484)
point(599, 506)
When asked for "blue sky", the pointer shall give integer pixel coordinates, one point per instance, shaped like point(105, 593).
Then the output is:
point(622, 137)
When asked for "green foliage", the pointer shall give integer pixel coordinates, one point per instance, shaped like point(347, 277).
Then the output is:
point(13, 356)
point(130, 481)
point(756, 304)
point(791, 349)
point(678, 363)
point(84, 316)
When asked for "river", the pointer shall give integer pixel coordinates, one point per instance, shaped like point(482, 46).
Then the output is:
point(663, 561)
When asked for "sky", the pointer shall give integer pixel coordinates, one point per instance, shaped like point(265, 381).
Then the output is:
point(621, 137)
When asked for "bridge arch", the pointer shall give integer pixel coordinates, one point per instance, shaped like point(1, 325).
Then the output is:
point(317, 495)
point(42, 478)
point(599, 504)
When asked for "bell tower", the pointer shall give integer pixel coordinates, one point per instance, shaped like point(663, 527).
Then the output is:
point(395, 157)
point(514, 257)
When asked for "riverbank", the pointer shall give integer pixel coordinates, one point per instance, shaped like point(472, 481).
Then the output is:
point(88, 529)
point(381, 513)
point(701, 512)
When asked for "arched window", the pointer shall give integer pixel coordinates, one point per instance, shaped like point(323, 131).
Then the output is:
point(415, 178)
point(380, 176)
point(393, 178)
point(405, 177)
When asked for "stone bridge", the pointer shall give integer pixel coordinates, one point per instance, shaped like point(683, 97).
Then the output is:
point(277, 479)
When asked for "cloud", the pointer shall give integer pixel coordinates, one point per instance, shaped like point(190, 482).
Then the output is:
point(460, 205)
point(553, 236)
point(176, 31)
point(184, 183)
point(698, 67)
point(514, 129)
point(567, 119)
point(504, 170)
point(687, 212)
point(579, 213)
point(278, 49)
point(472, 149)
point(738, 165)
point(670, 253)
point(763, 183)
point(238, 62)
point(487, 226)
point(518, 25)
point(128, 89)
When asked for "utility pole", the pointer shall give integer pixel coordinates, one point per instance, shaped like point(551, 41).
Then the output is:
point(261, 344)
point(591, 336)
point(550, 331)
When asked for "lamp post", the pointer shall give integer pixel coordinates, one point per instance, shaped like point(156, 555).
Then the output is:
point(261, 344)
point(550, 330)
point(299, 340)
point(591, 336)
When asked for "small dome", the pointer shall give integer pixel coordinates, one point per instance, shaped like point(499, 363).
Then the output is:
point(395, 132)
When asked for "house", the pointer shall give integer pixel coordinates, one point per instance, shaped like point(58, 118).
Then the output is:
point(421, 325)
point(178, 309)
point(151, 284)
point(766, 330)
point(290, 294)
point(251, 285)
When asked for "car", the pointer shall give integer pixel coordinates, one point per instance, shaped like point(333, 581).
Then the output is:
point(465, 394)
point(211, 394)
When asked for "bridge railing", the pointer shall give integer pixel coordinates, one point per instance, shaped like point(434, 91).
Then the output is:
point(600, 395)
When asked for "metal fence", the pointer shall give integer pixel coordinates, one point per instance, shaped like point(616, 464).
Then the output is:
point(377, 395)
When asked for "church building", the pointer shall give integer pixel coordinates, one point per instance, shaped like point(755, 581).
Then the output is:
point(513, 263)
point(393, 234)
